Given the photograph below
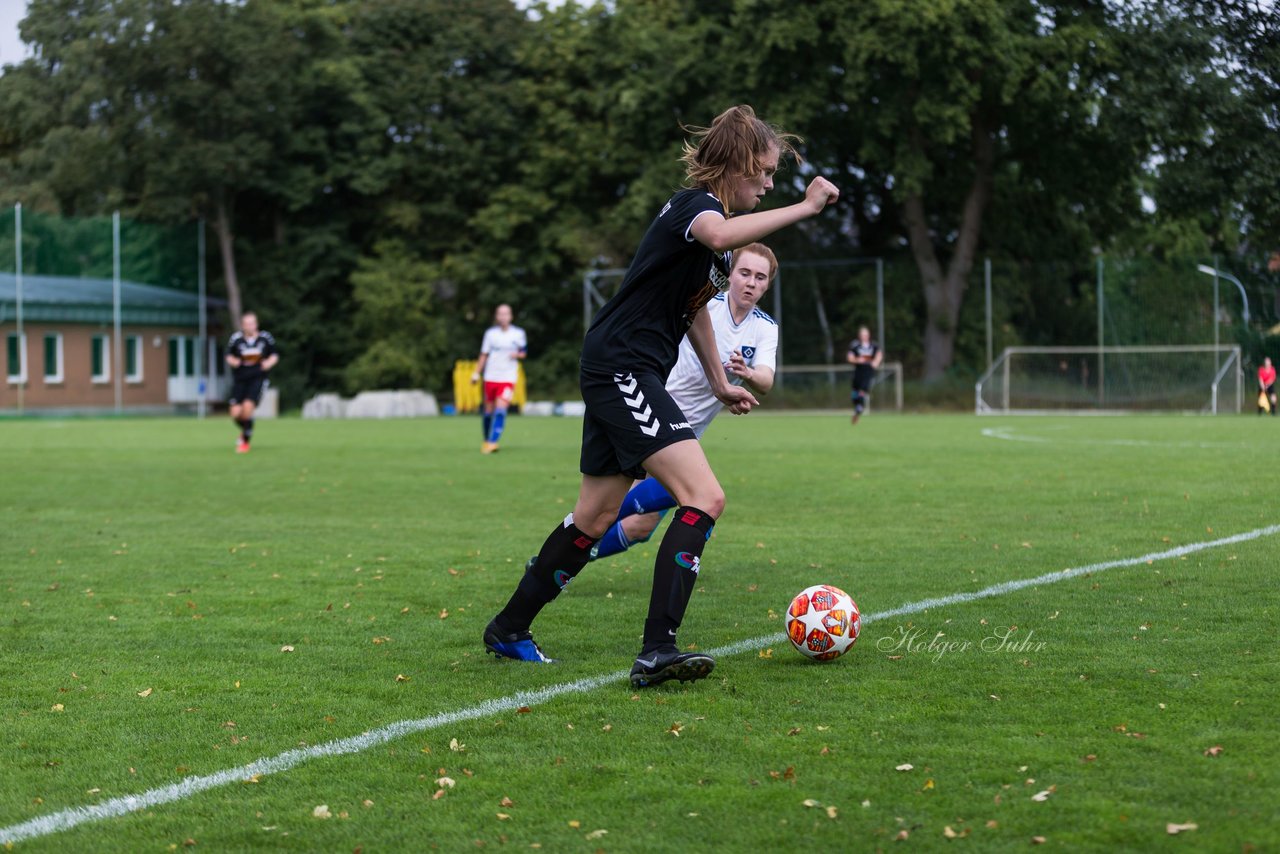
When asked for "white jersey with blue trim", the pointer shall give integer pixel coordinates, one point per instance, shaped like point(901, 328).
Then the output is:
point(756, 336)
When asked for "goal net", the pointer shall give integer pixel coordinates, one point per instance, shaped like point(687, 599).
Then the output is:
point(1062, 380)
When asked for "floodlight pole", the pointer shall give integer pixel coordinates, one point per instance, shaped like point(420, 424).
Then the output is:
point(879, 303)
point(1244, 298)
point(202, 344)
point(17, 268)
point(1102, 364)
point(115, 311)
point(986, 282)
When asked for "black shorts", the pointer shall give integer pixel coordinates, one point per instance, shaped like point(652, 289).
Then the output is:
point(1270, 390)
point(629, 418)
point(248, 390)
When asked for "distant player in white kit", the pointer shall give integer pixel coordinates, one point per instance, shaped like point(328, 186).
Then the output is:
point(747, 339)
point(503, 347)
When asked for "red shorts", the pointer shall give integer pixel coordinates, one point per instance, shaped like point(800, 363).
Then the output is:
point(499, 391)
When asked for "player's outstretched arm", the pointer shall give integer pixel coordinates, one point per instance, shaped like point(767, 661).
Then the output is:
point(715, 232)
point(703, 338)
point(479, 371)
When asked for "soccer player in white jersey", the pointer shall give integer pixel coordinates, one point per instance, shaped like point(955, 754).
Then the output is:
point(503, 347)
point(747, 339)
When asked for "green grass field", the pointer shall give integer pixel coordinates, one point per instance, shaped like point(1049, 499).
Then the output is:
point(169, 610)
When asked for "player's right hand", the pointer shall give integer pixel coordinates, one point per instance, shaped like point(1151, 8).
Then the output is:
point(475, 378)
point(821, 193)
point(737, 399)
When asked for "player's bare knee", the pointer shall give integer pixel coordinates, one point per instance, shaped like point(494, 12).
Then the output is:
point(712, 503)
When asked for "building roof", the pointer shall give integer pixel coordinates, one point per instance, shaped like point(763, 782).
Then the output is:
point(68, 299)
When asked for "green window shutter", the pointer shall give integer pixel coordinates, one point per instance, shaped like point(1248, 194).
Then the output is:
point(173, 357)
point(189, 344)
point(51, 368)
point(15, 369)
point(95, 354)
point(130, 356)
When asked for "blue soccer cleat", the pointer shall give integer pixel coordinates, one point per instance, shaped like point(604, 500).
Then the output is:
point(518, 646)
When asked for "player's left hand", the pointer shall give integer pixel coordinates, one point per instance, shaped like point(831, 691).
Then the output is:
point(738, 366)
point(738, 400)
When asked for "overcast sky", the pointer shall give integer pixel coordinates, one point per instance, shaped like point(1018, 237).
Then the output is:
point(11, 47)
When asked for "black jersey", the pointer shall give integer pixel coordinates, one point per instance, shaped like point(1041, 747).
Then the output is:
point(251, 353)
point(670, 279)
point(863, 374)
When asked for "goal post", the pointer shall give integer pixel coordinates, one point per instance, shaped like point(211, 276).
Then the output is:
point(1198, 378)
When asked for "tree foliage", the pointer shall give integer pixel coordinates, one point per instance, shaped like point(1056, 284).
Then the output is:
point(378, 174)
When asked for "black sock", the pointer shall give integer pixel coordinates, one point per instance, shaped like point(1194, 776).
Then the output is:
point(674, 573)
point(248, 429)
point(240, 422)
point(563, 555)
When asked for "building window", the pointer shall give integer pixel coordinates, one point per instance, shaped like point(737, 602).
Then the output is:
point(100, 355)
point(133, 359)
point(182, 356)
point(53, 358)
point(15, 353)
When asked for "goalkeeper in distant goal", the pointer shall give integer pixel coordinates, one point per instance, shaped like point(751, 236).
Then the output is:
point(866, 357)
point(1267, 387)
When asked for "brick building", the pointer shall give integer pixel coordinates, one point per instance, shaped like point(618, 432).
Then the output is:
point(66, 357)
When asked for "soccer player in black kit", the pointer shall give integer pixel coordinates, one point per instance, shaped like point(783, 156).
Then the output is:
point(251, 353)
point(631, 424)
point(866, 357)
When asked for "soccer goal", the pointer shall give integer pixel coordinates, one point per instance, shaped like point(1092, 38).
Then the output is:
point(1093, 380)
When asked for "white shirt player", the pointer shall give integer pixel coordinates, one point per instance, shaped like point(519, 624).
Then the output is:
point(501, 346)
point(756, 337)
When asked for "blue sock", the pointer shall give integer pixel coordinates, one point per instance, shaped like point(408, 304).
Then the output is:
point(499, 421)
point(615, 539)
point(487, 423)
point(613, 542)
point(647, 496)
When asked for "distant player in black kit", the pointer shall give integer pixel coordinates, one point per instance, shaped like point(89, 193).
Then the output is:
point(632, 425)
point(866, 357)
point(251, 353)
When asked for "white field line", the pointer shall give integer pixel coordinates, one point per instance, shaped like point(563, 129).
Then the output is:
point(115, 807)
point(1010, 434)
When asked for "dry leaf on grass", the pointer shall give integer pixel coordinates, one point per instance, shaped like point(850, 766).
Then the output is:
point(286, 648)
point(1213, 751)
point(400, 677)
point(322, 811)
point(457, 746)
point(57, 707)
point(675, 729)
point(438, 795)
point(506, 803)
point(832, 812)
point(502, 816)
point(596, 834)
point(766, 653)
point(145, 693)
point(906, 766)
point(575, 824)
point(902, 835)
point(1174, 829)
point(1038, 840)
point(1041, 796)
point(446, 782)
